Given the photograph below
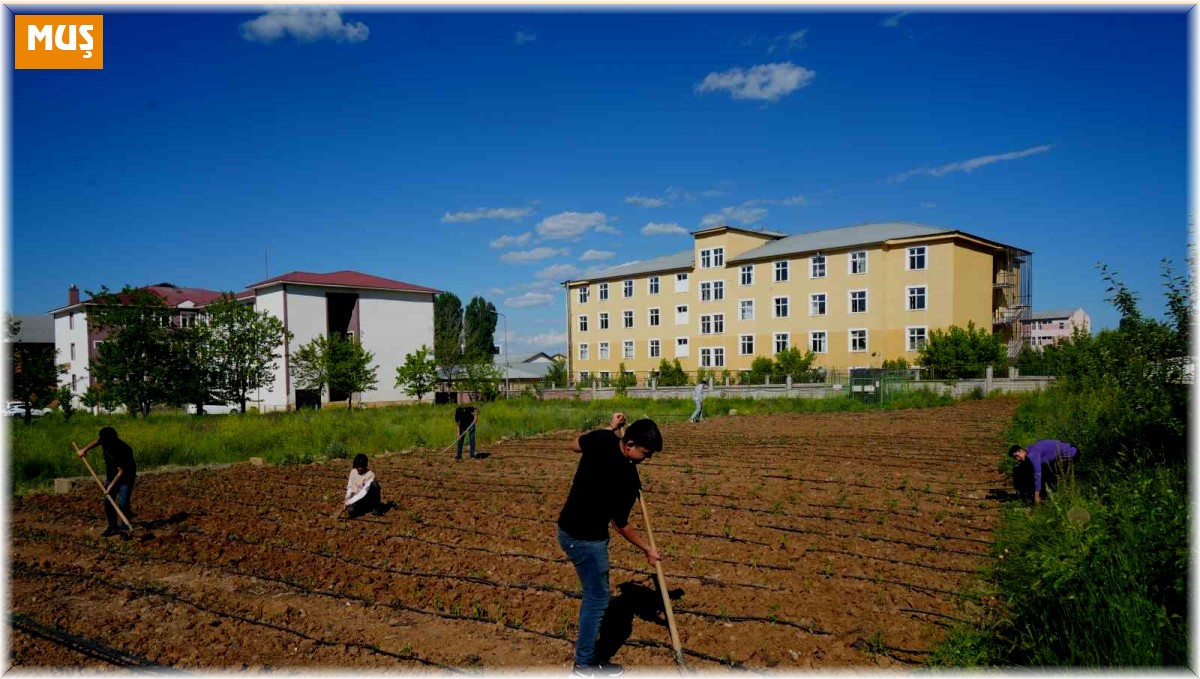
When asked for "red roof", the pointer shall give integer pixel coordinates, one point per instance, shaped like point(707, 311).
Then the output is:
point(344, 279)
point(176, 296)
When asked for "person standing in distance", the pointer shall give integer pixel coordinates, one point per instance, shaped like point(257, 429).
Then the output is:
point(605, 486)
point(466, 417)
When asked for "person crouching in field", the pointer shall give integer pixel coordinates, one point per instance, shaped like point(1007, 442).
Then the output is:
point(120, 472)
point(362, 490)
point(1040, 466)
point(605, 486)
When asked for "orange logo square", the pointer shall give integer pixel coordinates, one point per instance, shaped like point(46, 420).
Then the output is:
point(58, 41)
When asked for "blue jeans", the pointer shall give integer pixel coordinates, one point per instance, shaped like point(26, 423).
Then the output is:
point(471, 436)
point(122, 493)
point(590, 558)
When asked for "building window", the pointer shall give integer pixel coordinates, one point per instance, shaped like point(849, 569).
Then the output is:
point(718, 256)
point(681, 315)
point(916, 297)
point(745, 345)
point(604, 351)
point(604, 320)
point(70, 321)
point(655, 349)
point(706, 292)
point(628, 318)
point(713, 357)
point(712, 324)
point(858, 301)
point(603, 291)
point(705, 357)
point(627, 349)
point(583, 352)
point(781, 271)
point(916, 258)
point(746, 309)
point(72, 351)
point(74, 383)
point(583, 376)
point(583, 293)
point(713, 258)
point(627, 288)
point(858, 340)
point(916, 338)
point(681, 282)
point(816, 304)
point(653, 285)
point(187, 319)
point(583, 324)
point(781, 307)
point(706, 259)
point(818, 267)
point(747, 275)
point(681, 347)
point(603, 374)
point(858, 262)
point(817, 342)
point(781, 341)
point(654, 317)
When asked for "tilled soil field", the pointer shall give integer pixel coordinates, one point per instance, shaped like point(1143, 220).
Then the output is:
point(792, 541)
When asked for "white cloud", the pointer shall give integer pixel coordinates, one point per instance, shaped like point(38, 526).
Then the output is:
point(509, 241)
point(496, 292)
point(793, 200)
point(970, 165)
point(570, 224)
point(558, 272)
point(304, 25)
point(605, 228)
point(644, 201)
point(745, 213)
point(523, 37)
point(547, 339)
point(529, 299)
point(534, 255)
point(661, 229)
point(509, 213)
point(788, 41)
point(894, 20)
point(766, 82)
point(592, 255)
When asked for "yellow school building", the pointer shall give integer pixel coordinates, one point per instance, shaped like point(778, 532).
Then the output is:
point(855, 296)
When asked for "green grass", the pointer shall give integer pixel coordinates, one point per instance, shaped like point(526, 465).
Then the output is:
point(41, 451)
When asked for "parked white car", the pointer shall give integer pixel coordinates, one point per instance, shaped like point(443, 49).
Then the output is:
point(213, 409)
point(17, 409)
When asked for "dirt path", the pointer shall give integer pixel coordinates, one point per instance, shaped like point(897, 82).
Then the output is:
point(793, 541)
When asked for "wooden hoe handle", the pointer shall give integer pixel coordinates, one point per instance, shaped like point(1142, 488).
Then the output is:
point(464, 433)
point(662, 587)
point(102, 488)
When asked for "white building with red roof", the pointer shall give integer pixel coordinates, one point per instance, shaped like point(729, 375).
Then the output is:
point(391, 318)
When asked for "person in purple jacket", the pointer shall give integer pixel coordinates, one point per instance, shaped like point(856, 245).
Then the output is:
point(1040, 466)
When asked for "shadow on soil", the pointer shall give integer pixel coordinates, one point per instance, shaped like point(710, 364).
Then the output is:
point(634, 601)
point(178, 517)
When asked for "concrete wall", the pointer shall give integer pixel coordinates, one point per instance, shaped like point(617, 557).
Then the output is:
point(393, 324)
point(1017, 385)
point(64, 337)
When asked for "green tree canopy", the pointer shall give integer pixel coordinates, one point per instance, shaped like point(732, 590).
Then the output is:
point(671, 374)
point(479, 329)
point(958, 353)
point(243, 346)
point(336, 364)
point(34, 376)
point(447, 331)
point(135, 362)
point(556, 375)
point(418, 376)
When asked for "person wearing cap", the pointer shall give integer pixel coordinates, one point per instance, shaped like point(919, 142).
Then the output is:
point(605, 486)
point(1040, 466)
point(362, 490)
point(120, 472)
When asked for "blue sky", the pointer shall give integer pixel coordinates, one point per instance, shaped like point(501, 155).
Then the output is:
point(500, 153)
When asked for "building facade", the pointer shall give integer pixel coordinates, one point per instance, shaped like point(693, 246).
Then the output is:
point(855, 296)
point(391, 319)
point(1047, 327)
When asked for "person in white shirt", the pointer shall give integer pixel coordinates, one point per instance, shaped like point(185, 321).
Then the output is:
point(362, 490)
point(698, 397)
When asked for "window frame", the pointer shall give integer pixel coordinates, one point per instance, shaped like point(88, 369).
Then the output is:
point(742, 339)
point(681, 318)
point(654, 347)
point(653, 317)
point(850, 301)
point(910, 255)
point(746, 272)
point(782, 267)
point(652, 285)
point(603, 351)
point(850, 260)
point(908, 297)
point(602, 320)
point(582, 320)
point(813, 261)
point(824, 341)
point(787, 341)
point(741, 308)
point(602, 292)
point(824, 304)
point(583, 294)
point(627, 288)
point(908, 343)
point(627, 350)
point(850, 340)
point(787, 306)
point(584, 355)
point(682, 341)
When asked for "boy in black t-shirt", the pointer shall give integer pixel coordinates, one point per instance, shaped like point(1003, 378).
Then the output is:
point(605, 486)
point(466, 417)
point(120, 472)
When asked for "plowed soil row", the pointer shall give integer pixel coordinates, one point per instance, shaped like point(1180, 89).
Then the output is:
point(792, 541)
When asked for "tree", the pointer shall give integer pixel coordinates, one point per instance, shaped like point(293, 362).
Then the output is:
point(798, 364)
point(962, 353)
point(671, 374)
point(447, 332)
point(895, 364)
point(418, 375)
point(243, 346)
point(65, 401)
point(479, 329)
point(556, 375)
point(482, 379)
point(336, 364)
point(34, 376)
point(134, 362)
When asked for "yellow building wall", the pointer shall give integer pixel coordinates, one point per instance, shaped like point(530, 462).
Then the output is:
point(957, 278)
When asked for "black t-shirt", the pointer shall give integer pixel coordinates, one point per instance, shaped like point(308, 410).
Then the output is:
point(605, 487)
point(464, 416)
point(118, 455)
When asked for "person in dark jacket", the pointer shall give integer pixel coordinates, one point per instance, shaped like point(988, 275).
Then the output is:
point(465, 418)
point(120, 472)
point(1040, 466)
point(605, 486)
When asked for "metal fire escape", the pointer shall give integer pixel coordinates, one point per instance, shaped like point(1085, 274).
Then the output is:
point(1012, 298)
